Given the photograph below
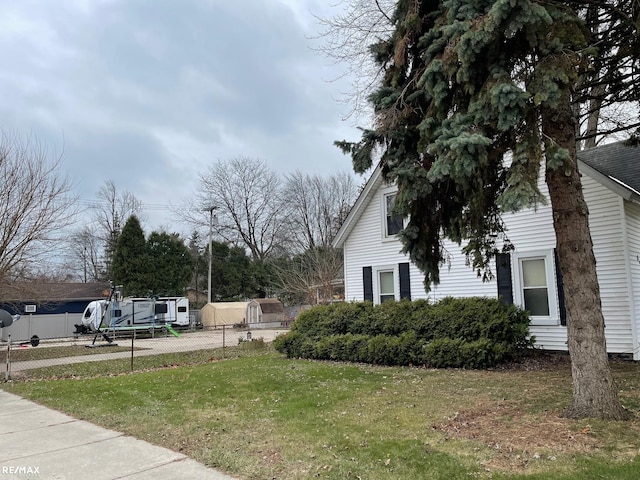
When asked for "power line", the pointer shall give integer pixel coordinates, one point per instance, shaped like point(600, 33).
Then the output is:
point(146, 206)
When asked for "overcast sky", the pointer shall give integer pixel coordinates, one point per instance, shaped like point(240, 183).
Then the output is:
point(148, 93)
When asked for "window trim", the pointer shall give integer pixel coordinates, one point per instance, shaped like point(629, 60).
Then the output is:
point(376, 271)
point(553, 319)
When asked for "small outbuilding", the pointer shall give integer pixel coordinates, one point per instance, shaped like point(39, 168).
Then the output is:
point(265, 313)
point(219, 314)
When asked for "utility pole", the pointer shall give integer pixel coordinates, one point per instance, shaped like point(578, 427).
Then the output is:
point(211, 209)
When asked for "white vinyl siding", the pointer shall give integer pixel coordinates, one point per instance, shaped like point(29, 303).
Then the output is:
point(365, 247)
point(457, 279)
point(529, 230)
point(632, 211)
point(606, 217)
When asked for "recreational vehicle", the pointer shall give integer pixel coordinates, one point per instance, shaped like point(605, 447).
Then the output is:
point(131, 313)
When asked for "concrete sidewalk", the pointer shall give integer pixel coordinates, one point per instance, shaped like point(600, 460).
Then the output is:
point(40, 443)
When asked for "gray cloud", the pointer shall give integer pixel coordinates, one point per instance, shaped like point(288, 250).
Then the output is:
point(148, 93)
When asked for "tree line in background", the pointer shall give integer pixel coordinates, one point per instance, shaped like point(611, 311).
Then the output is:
point(272, 234)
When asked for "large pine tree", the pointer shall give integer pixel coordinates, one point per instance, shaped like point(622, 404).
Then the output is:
point(465, 83)
point(130, 261)
point(170, 264)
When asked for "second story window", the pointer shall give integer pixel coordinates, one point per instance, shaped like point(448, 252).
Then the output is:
point(394, 222)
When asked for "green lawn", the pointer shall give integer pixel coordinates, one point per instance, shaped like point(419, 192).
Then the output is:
point(258, 415)
point(46, 353)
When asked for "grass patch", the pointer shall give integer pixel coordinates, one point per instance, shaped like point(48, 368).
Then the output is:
point(45, 353)
point(259, 415)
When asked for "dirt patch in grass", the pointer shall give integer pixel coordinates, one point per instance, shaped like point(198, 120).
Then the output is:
point(539, 360)
point(518, 438)
point(521, 440)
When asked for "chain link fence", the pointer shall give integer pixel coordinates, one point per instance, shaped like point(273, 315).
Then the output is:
point(35, 346)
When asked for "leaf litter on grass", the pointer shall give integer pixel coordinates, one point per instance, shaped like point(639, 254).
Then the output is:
point(525, 435)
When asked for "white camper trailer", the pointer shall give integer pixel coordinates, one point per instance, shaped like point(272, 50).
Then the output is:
point(131, 313)
point(177, 311)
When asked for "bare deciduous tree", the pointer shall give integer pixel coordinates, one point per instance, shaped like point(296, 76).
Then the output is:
point(346, 37)
point(311, 277)
point(85, 255)
point(319, 205)
point(110, 213)
point(249, 205)
point(35, 206)
point(606, 97)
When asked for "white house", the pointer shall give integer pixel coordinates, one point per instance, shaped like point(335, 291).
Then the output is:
point(374, 268)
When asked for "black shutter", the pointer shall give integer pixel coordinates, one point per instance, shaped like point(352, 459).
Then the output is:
point(560, 286)
point(503, 276)
point(405, 281)
point(367, 283)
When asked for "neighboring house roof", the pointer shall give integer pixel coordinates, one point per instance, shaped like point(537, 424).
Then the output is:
point(615, 166)
point(53, 292)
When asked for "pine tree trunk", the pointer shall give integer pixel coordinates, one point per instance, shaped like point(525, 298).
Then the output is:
point(594, 392)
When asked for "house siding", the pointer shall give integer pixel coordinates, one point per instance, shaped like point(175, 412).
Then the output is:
point(632, 211)
point(530, 230)
point(533, 230)
point(367, 237)
point(606, 220)
point(457, 279)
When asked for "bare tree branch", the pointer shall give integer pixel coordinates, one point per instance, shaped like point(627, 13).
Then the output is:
point(250, 208)
point(35, 206)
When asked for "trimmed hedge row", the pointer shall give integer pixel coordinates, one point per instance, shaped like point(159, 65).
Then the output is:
point(454, 332)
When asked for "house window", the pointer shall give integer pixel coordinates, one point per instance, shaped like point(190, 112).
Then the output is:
point(386, 286)
point(535, 288)
point(389, 282)
point(393, 221)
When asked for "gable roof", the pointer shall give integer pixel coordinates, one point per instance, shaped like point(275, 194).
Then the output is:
point(270, 305)
point(614, 162)
point(375, 180)
point(616, 166)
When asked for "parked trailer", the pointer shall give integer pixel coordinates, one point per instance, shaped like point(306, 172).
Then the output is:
point(177, 311)
point(131, 313)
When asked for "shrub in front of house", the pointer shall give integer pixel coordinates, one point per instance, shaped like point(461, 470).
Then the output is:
point(335, 319)
point(454, 332)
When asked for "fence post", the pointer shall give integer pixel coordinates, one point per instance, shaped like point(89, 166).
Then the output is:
point(224, 329)
point(7, 372)
point(132, 338)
